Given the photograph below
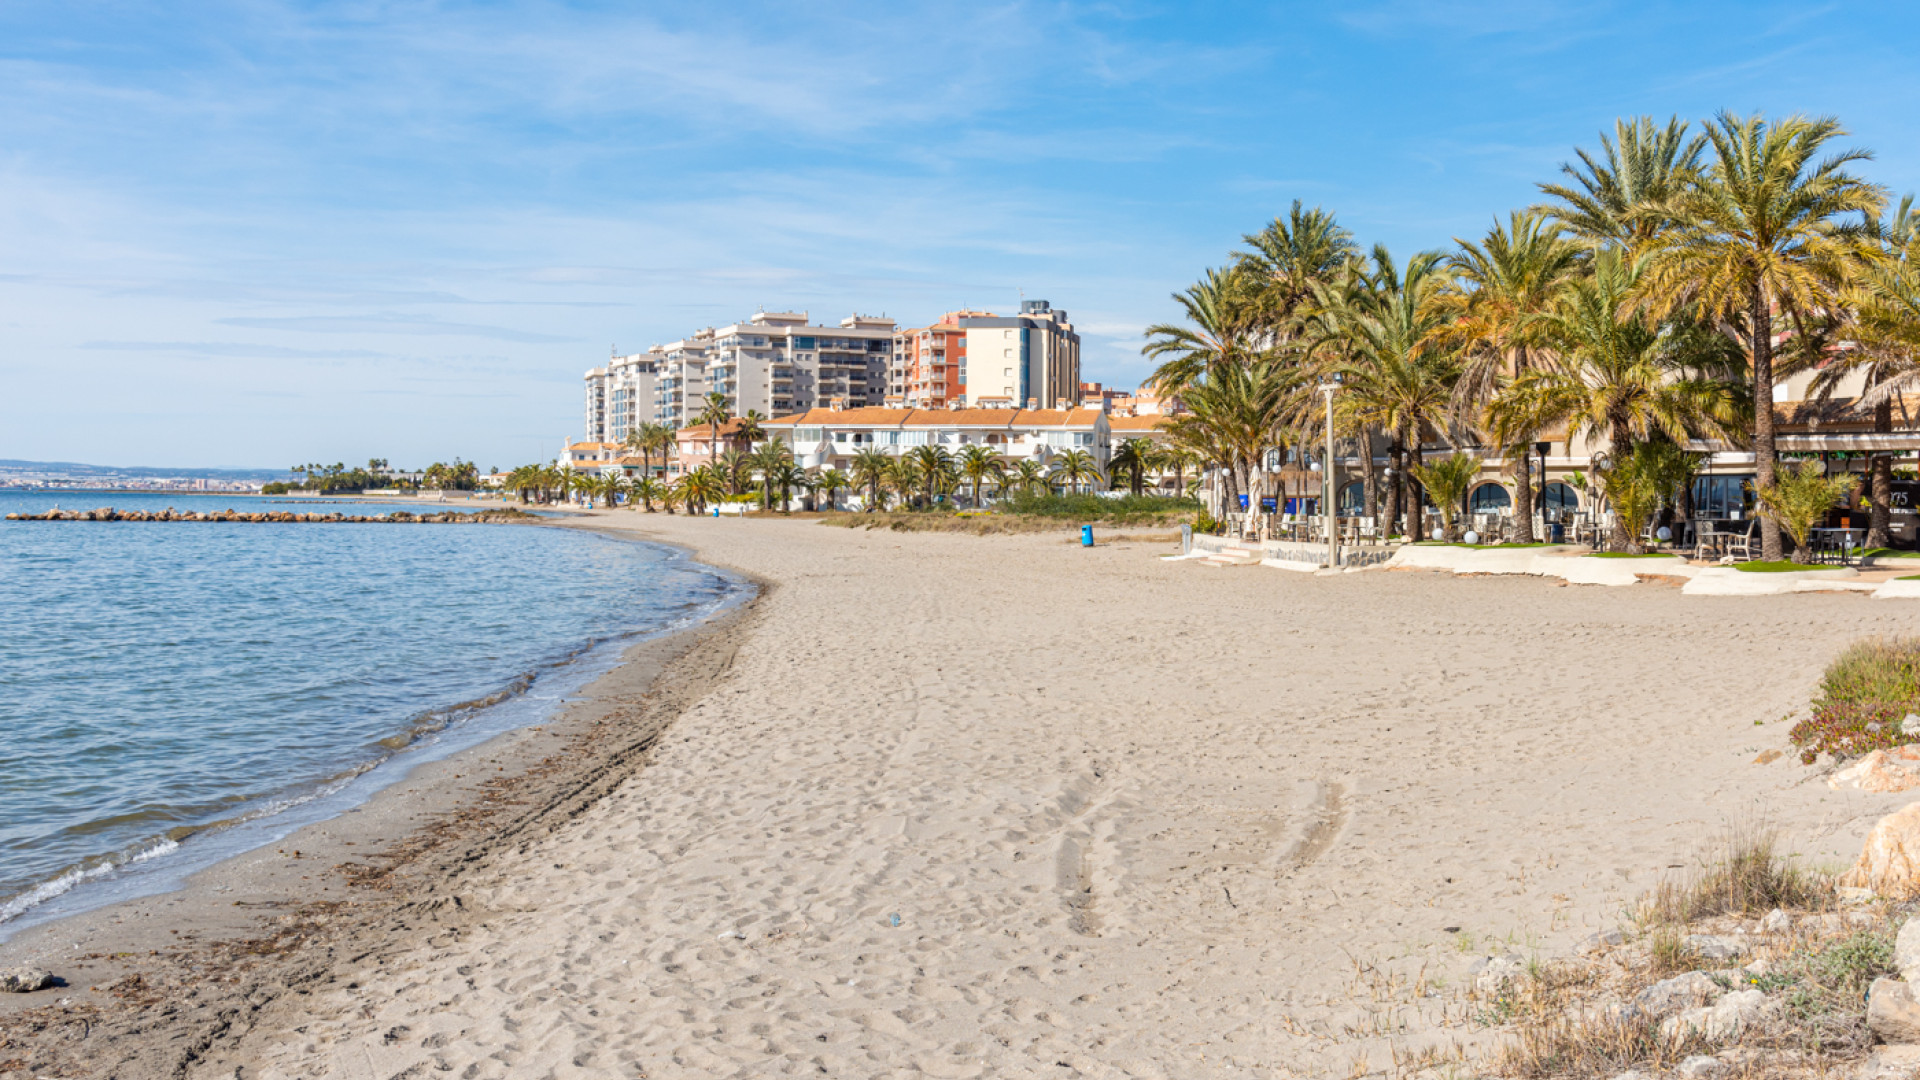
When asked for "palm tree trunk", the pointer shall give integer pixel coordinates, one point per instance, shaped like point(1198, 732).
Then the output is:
point(1396, 459)
point(1369, 484)
point(1880, 483)
point(1763, 442)
point(1520, 527)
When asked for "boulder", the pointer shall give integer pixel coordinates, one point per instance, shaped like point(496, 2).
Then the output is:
point(1700, 1067)
point(1682, 992)
point(1723, 1020)
point(24, 980)
point(1776, 922)
point(1897, 769)
point(1892, 1013)
point(1890, 862)
point(1890, 1063)
point(1906, 951)
point(1715, 948)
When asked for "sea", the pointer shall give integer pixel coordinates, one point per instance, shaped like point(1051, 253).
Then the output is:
point(172, 694)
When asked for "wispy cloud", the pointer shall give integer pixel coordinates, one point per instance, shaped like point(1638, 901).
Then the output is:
point(421, 325)
point(239, 349)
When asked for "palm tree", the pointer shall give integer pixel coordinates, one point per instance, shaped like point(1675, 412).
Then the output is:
point(1223, 316)
point(1026, 475)
point(750, 427)
point(1885, 328)
point(870, 471)
point(768, 460)
point(1800, 501)
point(831, 481)
point(977, 462)
point(1447, 480)
point(1619, 376)
point(1760, 228)
point(903, 477)
point(1398, 374)
point(702, 486)
point(1133, 457)
point(1507, 282)
point(1076, 467)
point(1289, 260)
point(734, 465)
point(714, 413)
point(933, 465)
point(1624, 198)
point(647, 489)
point(786, 477)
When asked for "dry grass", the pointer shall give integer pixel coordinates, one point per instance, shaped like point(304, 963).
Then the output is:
point(1575, 1018)
point(1740, 874)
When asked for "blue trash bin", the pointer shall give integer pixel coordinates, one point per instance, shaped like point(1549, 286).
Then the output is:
point(1086, 536)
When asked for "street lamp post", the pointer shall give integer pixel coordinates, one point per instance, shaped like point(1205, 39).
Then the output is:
point(1327, 387)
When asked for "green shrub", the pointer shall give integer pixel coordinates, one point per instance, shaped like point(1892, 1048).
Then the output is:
point(1864, 696)
point(1127, 509)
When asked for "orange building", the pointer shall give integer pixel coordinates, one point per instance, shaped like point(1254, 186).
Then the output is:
point(930, 363)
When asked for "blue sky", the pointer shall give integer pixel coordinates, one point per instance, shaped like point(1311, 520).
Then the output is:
point(254, 233)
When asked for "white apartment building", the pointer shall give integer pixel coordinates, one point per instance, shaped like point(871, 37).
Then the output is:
point(829, 438)
point(1030, 360)
point(775, 363)
point(680, 378)
point(620, 396)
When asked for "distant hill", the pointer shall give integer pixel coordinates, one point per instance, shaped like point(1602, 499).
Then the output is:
point(16, 471)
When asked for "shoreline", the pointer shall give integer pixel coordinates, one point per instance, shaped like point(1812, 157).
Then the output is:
point(409, 836)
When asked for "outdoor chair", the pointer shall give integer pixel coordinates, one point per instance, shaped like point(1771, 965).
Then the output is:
point(1739, 545)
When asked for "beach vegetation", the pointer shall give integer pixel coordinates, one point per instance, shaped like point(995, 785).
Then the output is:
point(1798, 500)
point(1865, 697)
point(1447, 481)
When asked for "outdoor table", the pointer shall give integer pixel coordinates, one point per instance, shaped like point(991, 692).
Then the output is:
point(1838, 542)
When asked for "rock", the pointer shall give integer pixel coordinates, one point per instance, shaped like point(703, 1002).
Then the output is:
point(1634, 1074)
point(24, 980)
point(1715, 947)
point(1890, 1063)
point(1776, 922)
point(1892, 1014)
point(1723, 1020)
point(1700, 1067)
point(1602, 941)
point(1669, 996)
point(1493, 974)
point(1897, 769)
point(1906, 951)
point(1890, 862)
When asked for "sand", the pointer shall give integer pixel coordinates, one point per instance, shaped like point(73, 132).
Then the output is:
point(1002, 806)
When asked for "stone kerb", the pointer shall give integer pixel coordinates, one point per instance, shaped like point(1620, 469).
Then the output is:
point(1727, 581)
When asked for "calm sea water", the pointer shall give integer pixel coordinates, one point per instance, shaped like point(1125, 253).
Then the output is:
point(173, 693)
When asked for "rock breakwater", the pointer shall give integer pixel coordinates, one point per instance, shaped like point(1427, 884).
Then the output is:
point(397, 517)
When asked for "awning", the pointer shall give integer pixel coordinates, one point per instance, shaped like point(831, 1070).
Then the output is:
point(1804, 444)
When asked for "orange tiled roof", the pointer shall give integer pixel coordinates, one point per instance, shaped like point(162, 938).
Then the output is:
point(871, 416)
point(1139, 423)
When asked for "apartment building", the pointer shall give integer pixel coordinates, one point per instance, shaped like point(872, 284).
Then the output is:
point(680, 379)
point(620, 396)
point(1030, 360)
point(777, 363)
point(930, 363)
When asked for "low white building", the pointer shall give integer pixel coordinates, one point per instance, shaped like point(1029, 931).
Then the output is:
point(829, 438)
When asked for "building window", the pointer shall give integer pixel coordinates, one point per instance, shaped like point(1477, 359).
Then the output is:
point(1490, 498)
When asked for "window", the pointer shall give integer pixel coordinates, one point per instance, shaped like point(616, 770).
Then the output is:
point(1009, 373)
point(1562, 497)
point(1722, 496)
point(839, 436)
point(1488, 498)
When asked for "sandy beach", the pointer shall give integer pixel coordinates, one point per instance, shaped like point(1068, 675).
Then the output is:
point(1002, 806)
